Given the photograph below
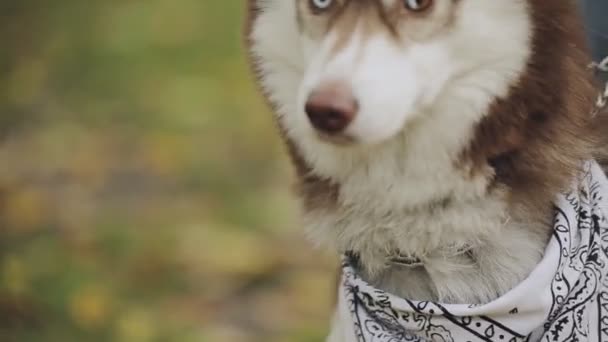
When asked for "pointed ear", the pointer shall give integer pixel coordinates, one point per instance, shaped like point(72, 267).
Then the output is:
point(252, 8)
point(251, 11)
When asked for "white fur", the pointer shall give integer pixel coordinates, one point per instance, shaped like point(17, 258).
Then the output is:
point(420, 101)
point(386, 95)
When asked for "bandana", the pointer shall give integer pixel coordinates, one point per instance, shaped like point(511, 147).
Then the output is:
point(565, 298)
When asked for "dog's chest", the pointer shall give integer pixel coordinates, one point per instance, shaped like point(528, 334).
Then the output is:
point(564, 298)
point(503, 251)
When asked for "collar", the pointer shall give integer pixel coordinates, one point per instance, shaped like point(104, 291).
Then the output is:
point(564, 299)
point(400, 259)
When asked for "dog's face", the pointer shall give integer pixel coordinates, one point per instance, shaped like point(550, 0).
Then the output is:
point(349, 75)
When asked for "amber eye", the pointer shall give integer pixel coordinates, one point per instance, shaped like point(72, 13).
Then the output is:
point(418, 5)
point(321, 5)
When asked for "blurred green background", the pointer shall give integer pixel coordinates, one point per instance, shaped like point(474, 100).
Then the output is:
point(144, 193)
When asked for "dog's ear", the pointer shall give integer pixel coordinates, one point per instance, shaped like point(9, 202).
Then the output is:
point(251, 10)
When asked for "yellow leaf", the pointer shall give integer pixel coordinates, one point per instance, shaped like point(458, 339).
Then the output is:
point(136, 326)
point(25, 210)
point(15, 275)
point(90, 307)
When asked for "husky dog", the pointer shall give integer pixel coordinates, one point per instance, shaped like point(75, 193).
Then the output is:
point(430, 137)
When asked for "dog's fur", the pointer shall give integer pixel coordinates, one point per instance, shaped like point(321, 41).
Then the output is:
point(472, 117)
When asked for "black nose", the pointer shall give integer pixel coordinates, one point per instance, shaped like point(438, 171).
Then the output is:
point(331, 108)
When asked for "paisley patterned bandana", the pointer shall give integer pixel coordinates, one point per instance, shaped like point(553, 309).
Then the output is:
point(564, 299)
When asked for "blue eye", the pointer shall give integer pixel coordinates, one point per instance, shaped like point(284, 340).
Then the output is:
point(320, 5)
point(418, 5)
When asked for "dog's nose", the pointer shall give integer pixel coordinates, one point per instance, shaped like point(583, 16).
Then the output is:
point(331, 108)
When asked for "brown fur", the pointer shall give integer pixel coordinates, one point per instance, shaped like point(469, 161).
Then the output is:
point(536, 138)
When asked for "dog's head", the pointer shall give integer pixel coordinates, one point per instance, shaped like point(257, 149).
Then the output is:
point(355, 73)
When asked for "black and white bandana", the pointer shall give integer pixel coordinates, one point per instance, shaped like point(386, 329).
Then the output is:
point(564, 299)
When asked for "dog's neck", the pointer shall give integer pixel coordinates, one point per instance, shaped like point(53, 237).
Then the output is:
point(465, 252)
